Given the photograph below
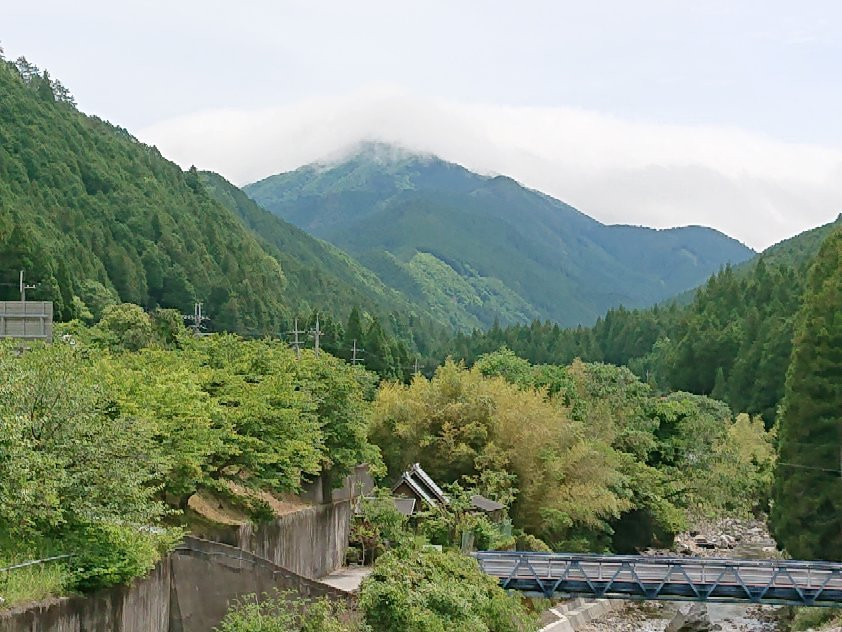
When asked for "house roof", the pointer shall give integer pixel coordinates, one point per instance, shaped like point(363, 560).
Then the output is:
point(485, 504)
point(418, 472)
point(405, 505)
point(422, 486)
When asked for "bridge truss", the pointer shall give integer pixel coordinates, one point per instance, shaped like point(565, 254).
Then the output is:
point(640, 577)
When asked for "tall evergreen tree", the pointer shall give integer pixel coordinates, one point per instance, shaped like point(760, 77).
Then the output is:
point(807, 513)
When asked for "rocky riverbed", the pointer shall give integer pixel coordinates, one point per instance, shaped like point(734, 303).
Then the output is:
point(725, 538)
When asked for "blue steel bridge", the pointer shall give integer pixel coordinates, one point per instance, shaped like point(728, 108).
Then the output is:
point(786, 582)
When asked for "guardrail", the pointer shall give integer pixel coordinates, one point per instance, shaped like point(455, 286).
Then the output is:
point(640, 577)
point(4, 571)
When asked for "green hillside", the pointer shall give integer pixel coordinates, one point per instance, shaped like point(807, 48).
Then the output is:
point(94, 216)
point(732, 340)
point(476, 249)
point(318, 275)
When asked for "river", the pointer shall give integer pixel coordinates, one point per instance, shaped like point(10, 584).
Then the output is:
point(735, 539)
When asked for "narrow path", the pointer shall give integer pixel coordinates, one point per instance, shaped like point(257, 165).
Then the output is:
point(348, 578)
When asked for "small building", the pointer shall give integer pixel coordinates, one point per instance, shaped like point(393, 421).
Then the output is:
point(417, 485)
point(491, 508)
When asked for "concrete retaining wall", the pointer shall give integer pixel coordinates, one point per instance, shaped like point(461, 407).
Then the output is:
point(311, 542)
point(189, 591)
point(144, 606)
point(209, 576)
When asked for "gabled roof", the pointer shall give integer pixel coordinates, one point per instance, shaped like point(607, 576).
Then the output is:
point(424, 477)
point(422, 486)
point(417, 489)
point(485, 504)
point(406, 506)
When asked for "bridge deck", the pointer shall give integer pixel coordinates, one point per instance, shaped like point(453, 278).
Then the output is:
point(639, 577)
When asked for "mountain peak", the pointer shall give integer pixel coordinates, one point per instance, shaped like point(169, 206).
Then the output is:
point(380, 153)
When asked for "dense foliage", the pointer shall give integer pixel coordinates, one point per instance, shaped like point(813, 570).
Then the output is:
point(732, 340)
point(586, 456)
point(414, 589)
point(807, 511)
point(95, 216)
point(472, 249)
point(104, 434)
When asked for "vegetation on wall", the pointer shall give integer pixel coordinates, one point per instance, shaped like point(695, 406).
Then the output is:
point(108, 432)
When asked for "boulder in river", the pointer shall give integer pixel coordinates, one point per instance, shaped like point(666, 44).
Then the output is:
point(693, 618)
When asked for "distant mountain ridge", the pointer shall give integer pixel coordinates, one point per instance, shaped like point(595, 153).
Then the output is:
point(478, 249)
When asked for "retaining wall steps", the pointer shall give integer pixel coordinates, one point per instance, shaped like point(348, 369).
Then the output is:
point(576, 614)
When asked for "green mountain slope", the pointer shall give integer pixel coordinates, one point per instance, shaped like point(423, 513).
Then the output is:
point(421, 223)
point(733, 339)
point(91, 213)
point(318, 275)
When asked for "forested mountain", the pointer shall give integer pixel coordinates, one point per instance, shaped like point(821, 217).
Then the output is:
point(476, 249)
point(95, 216)
point(318, 275)
point(733, 340)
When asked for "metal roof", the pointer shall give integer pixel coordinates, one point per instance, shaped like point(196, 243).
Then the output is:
point(485, 504)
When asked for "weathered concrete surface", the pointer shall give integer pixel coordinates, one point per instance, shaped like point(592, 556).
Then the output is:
point(196, 585)
point(208, 577)
point(189, 591)
point(348, 578)
point(311, 542)
point(144, 606)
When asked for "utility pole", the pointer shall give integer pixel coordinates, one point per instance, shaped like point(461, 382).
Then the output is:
point(197, 319)
point(415, 372)
point(296, 343)
point(355, 351)
point(317, 334)
point(23, 288)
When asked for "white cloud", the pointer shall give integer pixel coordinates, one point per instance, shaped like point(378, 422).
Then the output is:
point(755, 188)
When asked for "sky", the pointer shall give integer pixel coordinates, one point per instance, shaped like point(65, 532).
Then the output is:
point(654, 112)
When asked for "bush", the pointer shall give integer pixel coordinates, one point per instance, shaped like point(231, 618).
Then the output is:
point(814, 618)
point(109, 554)
point(286, 612)
point(421, 590)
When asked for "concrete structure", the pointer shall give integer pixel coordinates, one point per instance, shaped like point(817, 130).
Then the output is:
point(26, 320)
point(639, 577)
point(189, 591)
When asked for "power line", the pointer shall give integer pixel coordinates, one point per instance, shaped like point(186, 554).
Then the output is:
point(355, 358)
point(811, 467)
point(296, 343)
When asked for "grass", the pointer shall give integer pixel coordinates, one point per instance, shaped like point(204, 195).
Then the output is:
point(30, 583)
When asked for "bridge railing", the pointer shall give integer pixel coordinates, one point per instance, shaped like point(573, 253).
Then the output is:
point(642, 577)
